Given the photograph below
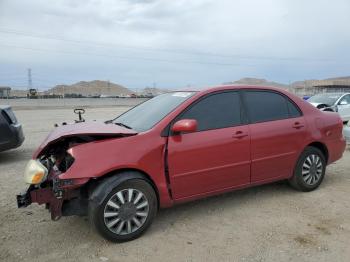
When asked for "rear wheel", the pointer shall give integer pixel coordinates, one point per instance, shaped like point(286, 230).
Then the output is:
point(309, 171)
point(126, 212)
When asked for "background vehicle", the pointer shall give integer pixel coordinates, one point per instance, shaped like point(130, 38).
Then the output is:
point(11, 134)
point(337, 102)
point(346, 132)
point(178, 147)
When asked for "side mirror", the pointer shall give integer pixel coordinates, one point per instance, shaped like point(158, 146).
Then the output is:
point(343, 103)
point(184, 126)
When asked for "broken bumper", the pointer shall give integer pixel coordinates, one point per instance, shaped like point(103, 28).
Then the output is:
point(42, 196)
point(59, 203)
point(62, 197)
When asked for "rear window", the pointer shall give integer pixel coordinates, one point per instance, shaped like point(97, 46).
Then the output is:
point(328, 99)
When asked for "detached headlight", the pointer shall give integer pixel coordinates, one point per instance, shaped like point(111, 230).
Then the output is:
point(35, 172)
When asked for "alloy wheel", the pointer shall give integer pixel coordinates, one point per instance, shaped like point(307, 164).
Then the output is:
point(126, 211)
point(312, 169)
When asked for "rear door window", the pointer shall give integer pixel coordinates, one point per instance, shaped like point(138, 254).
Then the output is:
point(265, 106)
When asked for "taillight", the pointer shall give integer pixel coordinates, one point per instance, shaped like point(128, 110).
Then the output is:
point(341, 126)
point(9, 116)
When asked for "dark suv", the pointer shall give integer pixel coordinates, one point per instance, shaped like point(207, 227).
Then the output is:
point(11, 134)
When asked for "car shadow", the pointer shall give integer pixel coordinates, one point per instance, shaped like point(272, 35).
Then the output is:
point(14, 155)
point(181, 213)
point(166, 218)
point(216, 203)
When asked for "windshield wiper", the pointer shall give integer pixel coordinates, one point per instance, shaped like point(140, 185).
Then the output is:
point(123, 125)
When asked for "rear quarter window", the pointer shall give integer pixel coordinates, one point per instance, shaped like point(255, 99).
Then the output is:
point(294, 111)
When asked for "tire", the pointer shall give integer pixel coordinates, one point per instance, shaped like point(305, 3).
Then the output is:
point(307, 179)
point(328, 110)
point(119, 222)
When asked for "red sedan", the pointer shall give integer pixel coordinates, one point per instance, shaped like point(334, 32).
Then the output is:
point(178, 147)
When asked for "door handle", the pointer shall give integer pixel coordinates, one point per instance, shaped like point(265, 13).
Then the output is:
point(239, 134)
point(297, 125)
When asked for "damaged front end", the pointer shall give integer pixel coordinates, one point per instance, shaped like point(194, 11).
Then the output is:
point(52, 160)
point(60, 196)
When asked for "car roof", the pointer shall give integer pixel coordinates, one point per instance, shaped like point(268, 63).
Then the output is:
point(230, 87)
point(333, 94)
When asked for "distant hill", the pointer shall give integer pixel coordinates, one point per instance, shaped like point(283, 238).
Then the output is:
point(304, 83)
point(328, 81)
point(105, 88)
point(257, 82)
point(298, 84)
point(91, 88)
point(347, 78)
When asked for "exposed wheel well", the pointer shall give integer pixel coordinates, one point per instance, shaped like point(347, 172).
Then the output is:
point(321, 147)
point(89, 187)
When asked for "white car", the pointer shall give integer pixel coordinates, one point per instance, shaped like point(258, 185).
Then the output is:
point(346, 132)
point(337, 102)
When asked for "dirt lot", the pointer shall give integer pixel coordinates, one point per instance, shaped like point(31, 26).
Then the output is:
point(266, 223)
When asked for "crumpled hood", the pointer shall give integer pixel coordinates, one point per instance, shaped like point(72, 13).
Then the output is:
point(84, 128)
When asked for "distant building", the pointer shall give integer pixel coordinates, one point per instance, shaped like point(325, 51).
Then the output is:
point(312, 87)
point(5, 92)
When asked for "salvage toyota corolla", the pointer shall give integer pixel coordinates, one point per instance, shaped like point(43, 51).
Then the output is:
point(178, 147)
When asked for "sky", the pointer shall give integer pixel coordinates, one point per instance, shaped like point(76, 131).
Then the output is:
point(172, 44)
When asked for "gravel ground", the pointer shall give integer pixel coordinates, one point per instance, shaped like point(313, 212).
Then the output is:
point(266, 223)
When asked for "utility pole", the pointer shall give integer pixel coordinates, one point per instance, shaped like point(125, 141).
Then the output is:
point(30, 84)
point(31, 92)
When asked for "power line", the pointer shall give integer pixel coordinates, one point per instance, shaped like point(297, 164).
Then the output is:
point(105, 44)
point(19, 78)
point(152, 49)
point(123, 57)
point(135, 58)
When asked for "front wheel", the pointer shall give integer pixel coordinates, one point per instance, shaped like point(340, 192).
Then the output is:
point(126, 212)
point(309, 170)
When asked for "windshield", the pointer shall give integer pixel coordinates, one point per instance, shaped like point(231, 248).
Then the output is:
point(328, 99)
point(146, 115)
